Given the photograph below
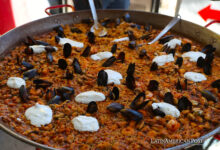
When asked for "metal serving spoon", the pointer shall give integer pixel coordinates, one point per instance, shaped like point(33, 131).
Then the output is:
point(96, 28)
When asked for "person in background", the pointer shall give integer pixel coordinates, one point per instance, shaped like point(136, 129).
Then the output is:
point(100, 4)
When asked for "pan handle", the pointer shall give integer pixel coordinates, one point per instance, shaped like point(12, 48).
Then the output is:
point(58, 6)
point(210, 23)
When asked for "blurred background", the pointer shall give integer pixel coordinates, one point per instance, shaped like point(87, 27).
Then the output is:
point(14, 13)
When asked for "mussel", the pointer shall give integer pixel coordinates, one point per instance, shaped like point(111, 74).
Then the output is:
point(55, 100)
point(76, 66)
point(186, 47)
point(114, 48)
point(130, 82)
point(115, 107)
point(69, 75)
point(207, 69)
point(216, 84)
point(91, 37)
point(132, 114)
point(65, 92)
point(23, 94)
point(31, 41)
point(209, 58)
point(186, 83)
point(102, 79)
point(172, 51)
point(114, 94)
point(143, 53)
point(132, 44)
point(109, 61)
point(60, 31)
point(168, 98)
point(105, 22)
point(40, 83)
point(27, 65)
point(158, 112)
point(153, 85)
point(92, 107)
point(67, 49)
point(178, 85)
point(209, 96)
point(28, 51)
point(147, 27)
point(121, 57)
point(62, 64)
point(139, 101)
point(75, 30)
point(131, 35)
point(131, 69)
point(145, 37)
point(117, 21)
point(208, 49)
point(30, 74)
point(154, 66)
point(166, 39)
point(57, 39)
point(200, 62)
point(184, 104)
point(127, 17)
point(50, 94)
point(86, 51)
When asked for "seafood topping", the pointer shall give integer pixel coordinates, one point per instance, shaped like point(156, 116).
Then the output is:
point(31, 41)
point(76, 66)
point(115, 107)
point(131, 114)
point(62, 64)
point(92, 107)
point(186, 84)
point(179, 61)
point(200, 62)
point(60, 31)
point(23, 94)
point(40, 83)
point(75, 30)
point(145, 37)
point(50, 94)
point(121, 57)
point(143, 53)
point(91, 37)
point(132, 45)
point(127, 17)
point(158, 112)
point(154, 66)
point(209, 58)
point(184, 103)
point(147, 27)
point(55, 100)
point(114, 94)
point(65, 92)
point(186, 47)
point(168, 98)
point(117, 21)
point(207, 69)
point(209, 96)
point(131, 35)
point(109, 61)
point(50, 49)
point(216, 84)
point(208, 49)
point(30, 74)
point(153, 85)
point(27, 65)
point(106, 22)
point(114, 48)
point(131, 69)
point(86, 51)
point(178, 85)
point(49, 57)
point(139, 101)
point(166, 39)
point(130, 82)
point(69, 75)
point(67, 49)
point(102, 78)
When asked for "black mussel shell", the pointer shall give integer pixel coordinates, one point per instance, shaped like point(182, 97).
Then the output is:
point(38, 42)
point(200, 62)
point(208, 49)
point(57, 39)
point(62, 64)
point(207, 69)
point(147, 27)
point(114, 94)
point(92, 107)
point(127, 17)
point(30, 74)
point(67, 49)
point(114, 48)
point(131, 114)
point(179, 61)
point(178, 85)
point(209, 96)
point(65, 92)
point(165, 39)
point(184, 104)
point(136, 26)
point(102, 78)
point(117, 21)
point(165, 49)
point(130, 82)
point(50, 49)
point(75, 30)
point(145, 37)
point(168, 98)
point(131, 35)
point(40, 83)
point(55, 100)
point(69, 75)
point(172, 51)
point(28, 51)
point(153, 85)
point(154, 66)
point(158, 112)
point(115, 107)
point(49, 57)
point(91, 37)
point(87, 21)
point(186, 47)
point(23, 94)
point(216, 84)
point(109, 61)
point(131, 69)
point(186, 84)
point(143, 53)
point(86, 51)
point(60, 31)
point(121, 57)
point(132, 44)
point(138, 101)
point(209, 58)
point(50, 94)
point(27, 65)
point(30, 41)
point(76, 66)
point(106, 22)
